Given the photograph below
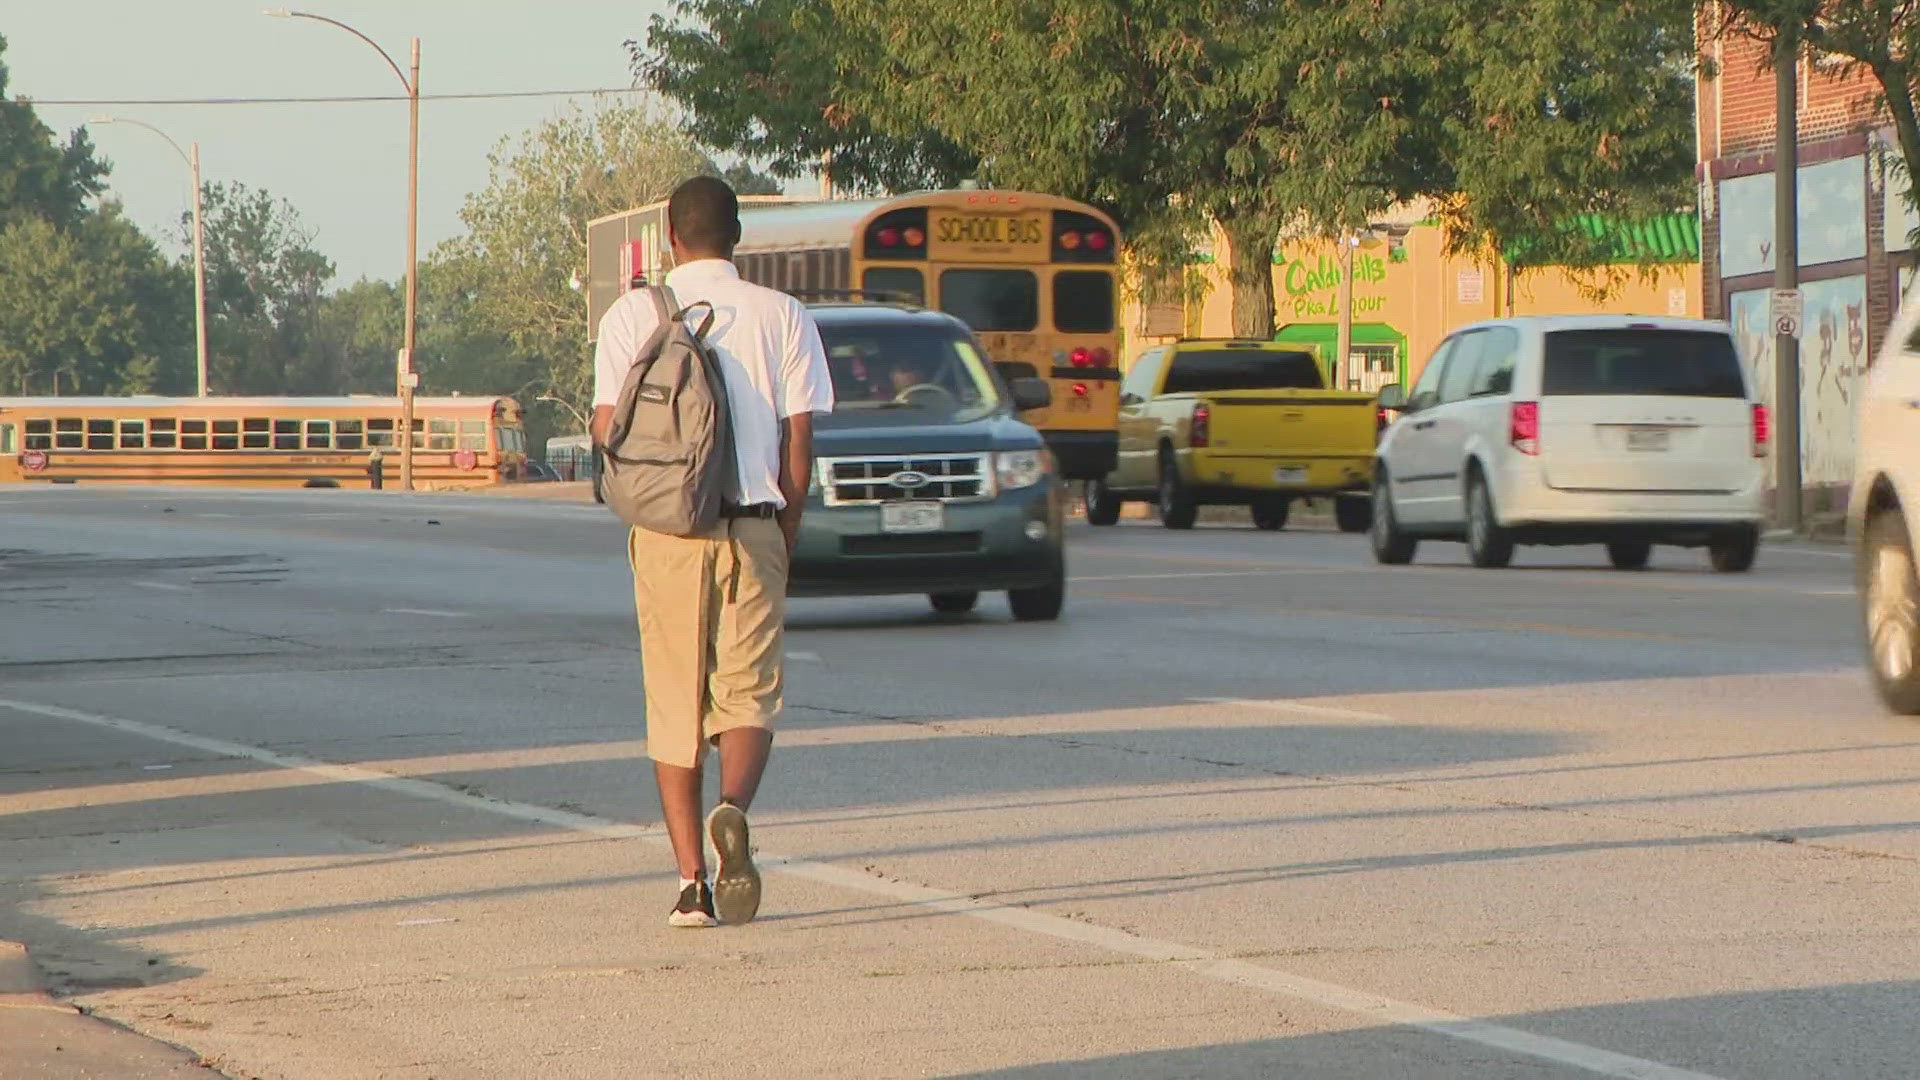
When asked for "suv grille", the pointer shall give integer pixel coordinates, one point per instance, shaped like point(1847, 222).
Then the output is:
point(858, 481)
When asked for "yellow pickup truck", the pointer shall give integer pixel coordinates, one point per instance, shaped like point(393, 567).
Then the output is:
point(1238, 423)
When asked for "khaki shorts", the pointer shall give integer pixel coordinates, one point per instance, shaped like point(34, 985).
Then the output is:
point(711, 609)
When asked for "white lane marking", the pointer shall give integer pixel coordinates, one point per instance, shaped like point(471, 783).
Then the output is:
point(1827, 592)
point(429, 612)
point(805, 657)
point(1202, 962)
point(1219, 573)
point(1285, 705)
point(423, 922)
point(163, 586)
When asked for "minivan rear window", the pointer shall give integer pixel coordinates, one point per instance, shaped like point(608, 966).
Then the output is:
point(1205, 370)
point(1641, 363)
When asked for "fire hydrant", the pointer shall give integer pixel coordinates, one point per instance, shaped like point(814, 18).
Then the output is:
point(376, 469)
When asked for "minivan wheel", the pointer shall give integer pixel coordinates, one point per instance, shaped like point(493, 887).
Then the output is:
point(1890, 605)
point(1353, 513)
point(1732, 550)
point(1391, 547)
point(1177, 508)
point(954, 603)
point(1040, 604)
point(1489, 546)
point(1103, 506)
point(1630, 554)
point(1270, 512)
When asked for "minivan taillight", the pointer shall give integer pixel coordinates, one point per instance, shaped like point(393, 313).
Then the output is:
point(1523, 426)
point(1200, 433)
point(1762, 430)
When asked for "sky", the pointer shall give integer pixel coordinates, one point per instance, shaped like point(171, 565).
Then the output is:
point(342, 166)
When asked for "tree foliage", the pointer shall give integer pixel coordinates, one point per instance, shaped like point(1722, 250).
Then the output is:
point(40, 175)
point(265, 288)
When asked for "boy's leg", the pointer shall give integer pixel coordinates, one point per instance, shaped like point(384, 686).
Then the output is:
point(672, 579)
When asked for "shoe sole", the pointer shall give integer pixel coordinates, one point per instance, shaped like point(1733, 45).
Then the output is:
point(690, 920)
point(736, 889)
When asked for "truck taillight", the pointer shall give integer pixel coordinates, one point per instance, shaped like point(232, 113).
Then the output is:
point(1523, 426)
point(1201, 431)
point(1762, 430)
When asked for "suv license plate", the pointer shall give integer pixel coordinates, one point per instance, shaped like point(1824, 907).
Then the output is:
point(1648, 439)
point(1290, 474)
point(912, 517)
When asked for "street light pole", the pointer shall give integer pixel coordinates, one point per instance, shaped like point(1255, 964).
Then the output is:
point(578, 416)
point(406, 377)
point(199, 247)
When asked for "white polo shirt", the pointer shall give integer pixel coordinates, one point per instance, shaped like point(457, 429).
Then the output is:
point(769, 349)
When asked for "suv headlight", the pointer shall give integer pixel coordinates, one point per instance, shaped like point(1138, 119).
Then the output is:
point(1020, 468)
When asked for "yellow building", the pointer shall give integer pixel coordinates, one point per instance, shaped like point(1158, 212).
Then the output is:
point(1408, 293)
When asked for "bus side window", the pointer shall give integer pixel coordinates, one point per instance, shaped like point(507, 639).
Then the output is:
point(163, 433)
point(6, 439)
point(39, 435)
point(473, 435)
point(348, 434)
point(226, 434)
point(319, 434)
point(99, 434)
point(380, 433)
point(256, 433)
point(193, 434)
point(133, 434)
point(69, 433)
point(286, 434)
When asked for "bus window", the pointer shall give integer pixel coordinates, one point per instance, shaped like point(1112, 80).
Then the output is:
point(473, 435)
point(226, 434)
point(319, 434)
point(419, 434)
point(380, 433)
point(992, 300)
point(286, 434)
point(1083, 302)
point(256, 433)
point(133, 434)
point(69, 433)
point(193, 434)
point(6, 439)
point(163, 433)
point(39, 434)
point(441, 435)
point(348, 435)
point(99, 434)
point(906, 281)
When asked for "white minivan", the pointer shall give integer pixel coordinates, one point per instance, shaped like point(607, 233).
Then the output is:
point(1884, 511)
point(1591, 429)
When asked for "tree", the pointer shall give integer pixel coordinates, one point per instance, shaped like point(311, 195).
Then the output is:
point(39, 176)
point(768, 80)
point(264, 287)
point(1881, 37)
point(353, 345)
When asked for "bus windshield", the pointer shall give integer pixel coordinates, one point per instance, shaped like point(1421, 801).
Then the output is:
point(908, 368)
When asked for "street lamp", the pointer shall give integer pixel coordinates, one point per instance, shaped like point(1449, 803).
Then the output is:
point(570, 407)
point(199, 245)
point(408, 378)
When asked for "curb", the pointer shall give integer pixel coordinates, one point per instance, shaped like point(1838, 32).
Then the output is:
point(51, 1039)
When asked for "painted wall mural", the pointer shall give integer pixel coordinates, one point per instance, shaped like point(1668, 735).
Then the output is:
point(1833, 357)
point(1833, 217)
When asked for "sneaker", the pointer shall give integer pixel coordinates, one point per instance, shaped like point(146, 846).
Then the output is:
point(695, 908)
point(736, 888)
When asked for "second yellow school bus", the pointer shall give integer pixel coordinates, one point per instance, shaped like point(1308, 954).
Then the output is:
point(1034, 276)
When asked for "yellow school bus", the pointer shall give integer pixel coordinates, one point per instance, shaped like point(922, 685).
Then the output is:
point(1033, 275)
point(458, 442)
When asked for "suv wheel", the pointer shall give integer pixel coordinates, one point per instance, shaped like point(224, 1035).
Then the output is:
point(1890, 604)
point(1391, 547)
point(1630, 554)
point(1353, 513)
point(1732, 551)
point(1270, 512)
point(1103, 506)
point(1489, 546)
point(1177, 508)
point(1039, 604)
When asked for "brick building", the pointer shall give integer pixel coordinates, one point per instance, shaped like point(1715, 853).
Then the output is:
point(1855, 258)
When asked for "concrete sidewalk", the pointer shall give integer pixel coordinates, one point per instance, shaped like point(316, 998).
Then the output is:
point(44, 1039)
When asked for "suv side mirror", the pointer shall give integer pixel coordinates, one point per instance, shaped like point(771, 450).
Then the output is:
point(1393, 396)
point(1029, 394)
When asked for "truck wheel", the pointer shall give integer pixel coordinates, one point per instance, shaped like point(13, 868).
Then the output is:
point(1630, 554)
point(1733, 551)
point(1890, 603)
point(1353, 513)
point(1489, 546)
point(954, 603)
point(1391, 547)
point(1039, 604)
point(1103, 506)
point(1270, 512)
point(1177, 508)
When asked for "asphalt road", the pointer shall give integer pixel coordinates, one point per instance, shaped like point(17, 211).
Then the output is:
point(338, 785)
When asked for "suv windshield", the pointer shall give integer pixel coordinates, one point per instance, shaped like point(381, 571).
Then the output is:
point(1204, 371)
point(1645, 362)
point(925, 369)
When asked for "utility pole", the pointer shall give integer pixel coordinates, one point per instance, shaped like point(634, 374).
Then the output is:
point(199, 277)
point(409, 378)
point(1786, 276)
point(1342, 374)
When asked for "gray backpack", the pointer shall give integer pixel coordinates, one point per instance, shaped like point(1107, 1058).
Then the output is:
point(669, 454)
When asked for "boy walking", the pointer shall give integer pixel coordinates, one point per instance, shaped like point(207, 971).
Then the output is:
point(711, 606)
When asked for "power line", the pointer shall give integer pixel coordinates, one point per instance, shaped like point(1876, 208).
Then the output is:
point(341, 100)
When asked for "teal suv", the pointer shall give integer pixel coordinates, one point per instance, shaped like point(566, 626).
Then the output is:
point(925, 480)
